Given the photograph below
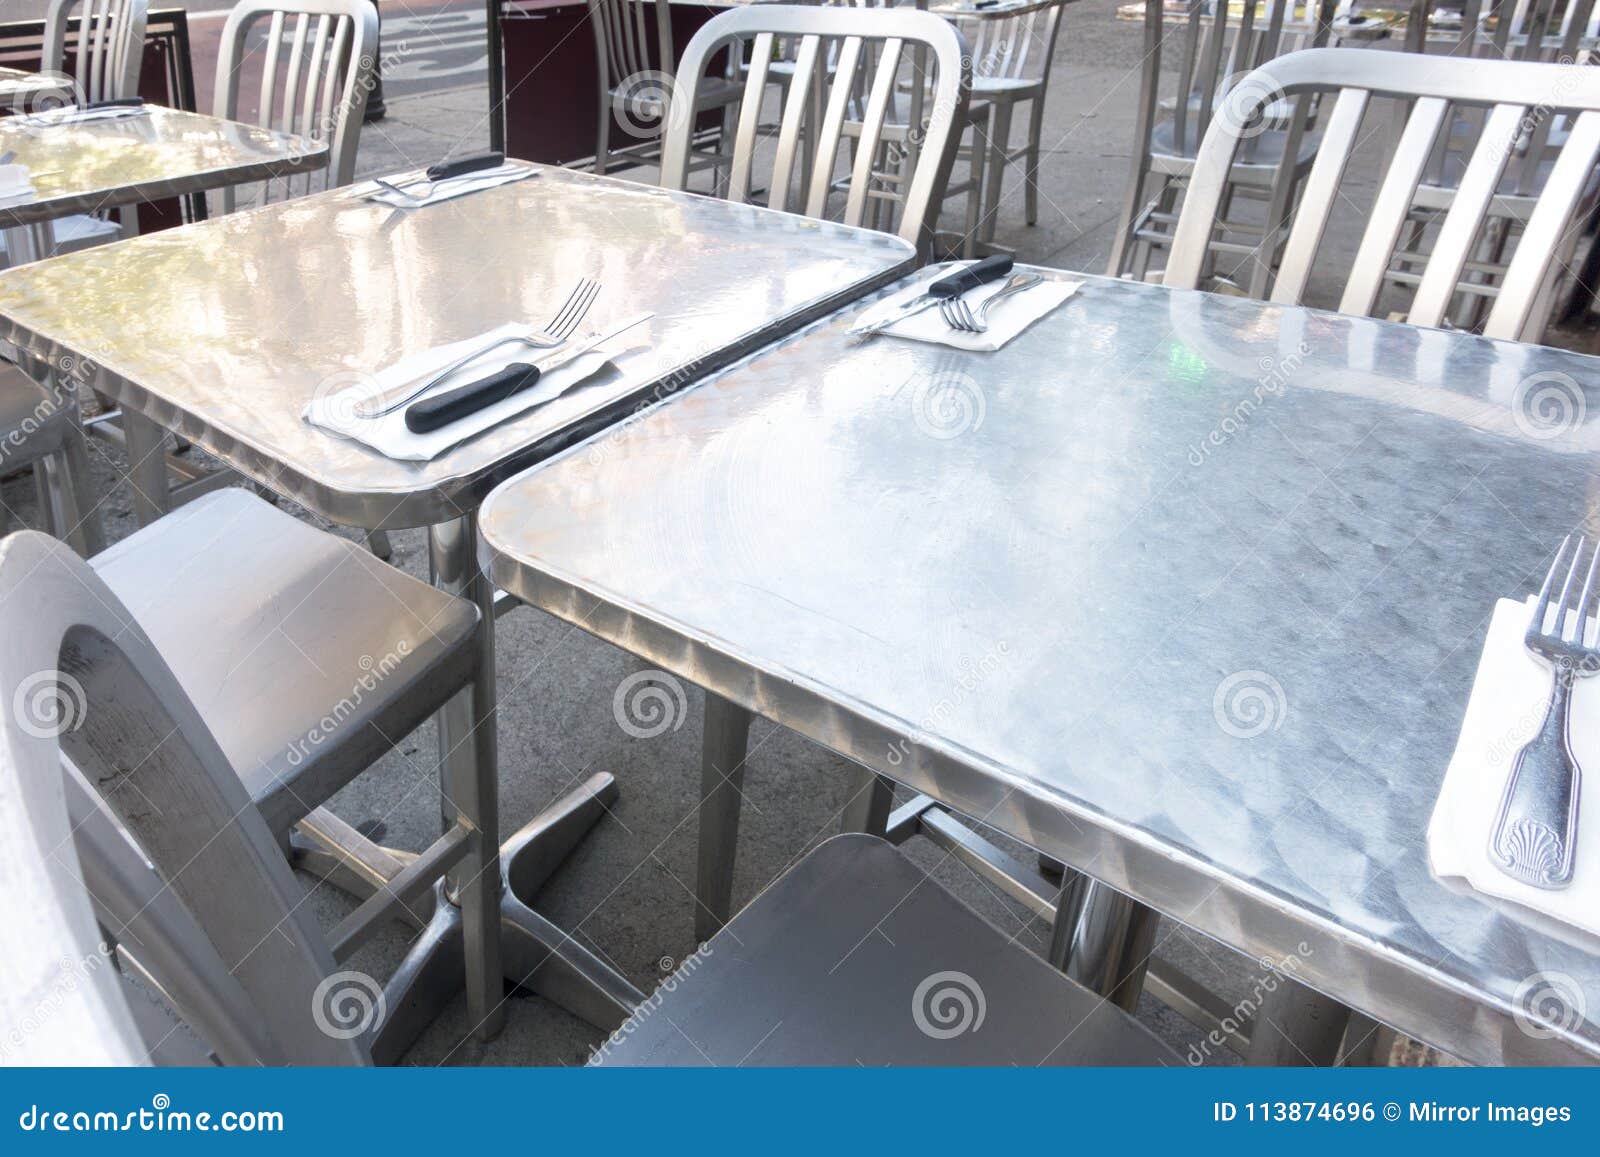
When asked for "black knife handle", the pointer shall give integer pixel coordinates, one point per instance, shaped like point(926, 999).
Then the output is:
point(451, 406)
point(120, 102)
point(461, 166)
point(969, 277)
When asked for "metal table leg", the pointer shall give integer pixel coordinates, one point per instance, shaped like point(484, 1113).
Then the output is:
point(722, 752)
point(867, 809)
point(1102, 939)
point(1297, 1025)
point(482, 922)
point(147, 466)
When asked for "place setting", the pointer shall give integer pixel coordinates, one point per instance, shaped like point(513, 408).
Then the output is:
point(444, 181)
point(980, 306)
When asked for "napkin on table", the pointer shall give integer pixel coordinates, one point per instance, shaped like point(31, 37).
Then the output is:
point(1013, 315)
point(445, 190)
point(336, 412)
point(16, 183)
point(1504, 710)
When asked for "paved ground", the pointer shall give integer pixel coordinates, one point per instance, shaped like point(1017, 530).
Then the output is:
point(626, 892)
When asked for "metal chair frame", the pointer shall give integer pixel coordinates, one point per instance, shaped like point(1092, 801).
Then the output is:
point(159, 771)
point(109, 48)
point(871, 42)
point(43, 432)
point(319, 91)
point(1510, 90)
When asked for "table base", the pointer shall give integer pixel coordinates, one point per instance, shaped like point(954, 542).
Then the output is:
point(536, 955)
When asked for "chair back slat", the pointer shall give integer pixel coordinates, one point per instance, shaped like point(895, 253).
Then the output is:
point(849, 65)
point(109, 50)
point(791, 121)
point(317, 68)
point(1553, 217)
point(1516, 95)
point(123, 719)
point(1393, 202)
point(1321, 189)
point(1468, 208)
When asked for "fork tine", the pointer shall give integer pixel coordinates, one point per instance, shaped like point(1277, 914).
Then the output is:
point(972, 322)
point(946, 313)
point(1565, 604)
point(1543, 604)
point(582, 311)
point(577, 290)
point(1585, 607)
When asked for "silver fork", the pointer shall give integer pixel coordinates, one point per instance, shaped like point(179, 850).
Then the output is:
point(958, 314)
point(555, 333)
point(1537, 825)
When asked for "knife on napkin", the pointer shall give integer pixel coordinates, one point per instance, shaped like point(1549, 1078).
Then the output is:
point(440, 410)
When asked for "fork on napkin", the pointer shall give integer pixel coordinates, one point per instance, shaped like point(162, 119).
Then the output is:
point(338, 411)
point(1006, 320)
point(1510, 694)
point(399, 197)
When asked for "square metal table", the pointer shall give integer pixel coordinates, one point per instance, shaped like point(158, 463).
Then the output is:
point(99, 165)
point(1184, 591)
point(224, 330)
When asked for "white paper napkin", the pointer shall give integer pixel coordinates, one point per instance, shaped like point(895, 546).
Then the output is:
point(16, 183)
point(336, 410)
point(1504, 711)
point(445, 190)
point(79, 116)
point(1006, 320)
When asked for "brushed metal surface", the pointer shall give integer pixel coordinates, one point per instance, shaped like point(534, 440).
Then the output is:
point(1185, 591)
point(83, 168)
point(224, 330)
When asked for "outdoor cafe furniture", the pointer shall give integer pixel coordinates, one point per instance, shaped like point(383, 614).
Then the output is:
point(108, 46)
point(39, 428)
point(378, 285)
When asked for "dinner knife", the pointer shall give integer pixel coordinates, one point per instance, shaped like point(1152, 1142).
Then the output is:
point(441, 410)
point(968, 277)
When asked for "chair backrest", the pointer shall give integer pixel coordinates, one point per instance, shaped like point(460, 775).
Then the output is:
point(109, 49)
point(1013, 43)
point(631, 37)
point(870, 48)
point(1222, 44)
point(1548, 30)
point(1517, 94)
point(317, 67)
point(81, 679)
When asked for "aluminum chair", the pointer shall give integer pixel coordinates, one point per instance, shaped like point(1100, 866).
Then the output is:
point(39, 428)
point(90, 685)
point(856, 957)
point(317, 70)
point(634, 58)
point(308, 659)
point(871, 45)
point(1217, 52)
point(1512, 90)
point(1011, 53)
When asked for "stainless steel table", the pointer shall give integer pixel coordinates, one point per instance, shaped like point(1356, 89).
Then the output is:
point(1185, 591)
point(99, 165)
point(224, 330)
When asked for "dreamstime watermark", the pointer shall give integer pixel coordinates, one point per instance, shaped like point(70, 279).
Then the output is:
point(50, 703)
point(52, 91)
point(1243, 107)
point(645, 106)
point(1248, 704)
point(1275, 375)
point(948, 1004)
point(971, 675)
point(1548, 405)
point(647, 1008)
point(649, 703)
point(373, 673)
point(1548, 1004)
point(70, 977)
point(1272, 974)
point(948, 404)
point(348, 1004)
point(159, 1117)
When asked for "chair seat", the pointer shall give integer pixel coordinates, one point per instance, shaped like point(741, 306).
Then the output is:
point(307, 656)
point(856, 957)
point(1007, 87)
point(1264, 151)
point(648, 105)
point(31, 419)
point(79, 231)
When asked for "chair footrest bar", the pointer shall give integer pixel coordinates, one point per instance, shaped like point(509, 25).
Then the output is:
point(405, 887)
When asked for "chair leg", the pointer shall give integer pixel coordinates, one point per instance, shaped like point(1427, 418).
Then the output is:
point(378, 543)
point(1030, 190)
point(969, 244)
point(72, 496)
point(871, 798)
point(147, 466)
point(1297, 1026)
point(722, 753)
point(999, 134)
